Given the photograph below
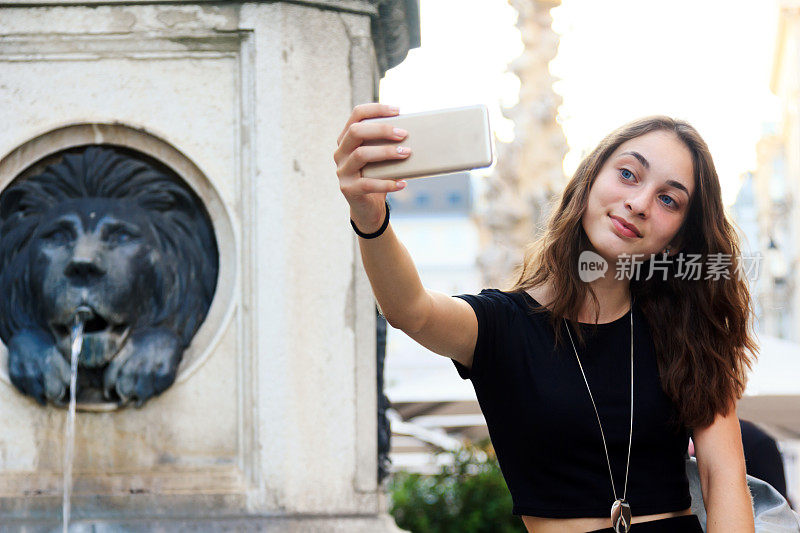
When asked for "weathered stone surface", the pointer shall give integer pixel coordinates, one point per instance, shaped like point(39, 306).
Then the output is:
point(273, 416)
point(395, 23)
point(232, 525)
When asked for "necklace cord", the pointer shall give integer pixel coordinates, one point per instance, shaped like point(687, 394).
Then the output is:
point(602, 434)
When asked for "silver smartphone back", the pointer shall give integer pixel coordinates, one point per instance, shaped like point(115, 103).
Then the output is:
point(441, 141)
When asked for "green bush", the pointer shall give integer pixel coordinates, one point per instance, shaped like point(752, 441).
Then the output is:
point(469, 496)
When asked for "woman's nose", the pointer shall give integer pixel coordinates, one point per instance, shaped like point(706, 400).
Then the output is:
point(637, 203)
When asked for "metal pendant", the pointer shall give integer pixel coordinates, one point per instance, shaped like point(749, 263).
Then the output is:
point(621, 516)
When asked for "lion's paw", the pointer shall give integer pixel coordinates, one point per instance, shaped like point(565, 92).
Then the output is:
point(146, 368)
point(36, 367)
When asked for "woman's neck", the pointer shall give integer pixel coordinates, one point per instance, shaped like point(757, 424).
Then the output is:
point(613, 296)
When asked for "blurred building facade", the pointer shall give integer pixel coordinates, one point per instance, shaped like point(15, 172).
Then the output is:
point(778, 184)
point(764, 213)
point(768, 218)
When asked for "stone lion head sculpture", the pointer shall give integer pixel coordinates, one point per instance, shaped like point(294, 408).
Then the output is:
point(121, 237)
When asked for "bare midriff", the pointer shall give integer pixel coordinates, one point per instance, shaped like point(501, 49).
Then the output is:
point(535, 524)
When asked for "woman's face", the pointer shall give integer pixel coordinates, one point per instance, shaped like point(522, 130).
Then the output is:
point(647, 182)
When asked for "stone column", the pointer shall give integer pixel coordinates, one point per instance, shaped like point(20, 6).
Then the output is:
point(271, 425)
point(529, 169)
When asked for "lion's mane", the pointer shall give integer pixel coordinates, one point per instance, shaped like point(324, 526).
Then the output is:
point(185, 278)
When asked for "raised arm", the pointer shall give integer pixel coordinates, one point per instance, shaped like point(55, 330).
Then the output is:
point(441, 323)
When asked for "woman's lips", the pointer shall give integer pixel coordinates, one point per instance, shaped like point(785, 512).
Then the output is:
point(622, 230)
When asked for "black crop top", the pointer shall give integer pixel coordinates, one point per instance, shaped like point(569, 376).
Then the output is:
point(542, 423)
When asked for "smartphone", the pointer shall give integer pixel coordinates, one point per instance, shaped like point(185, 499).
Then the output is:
point(441, 142)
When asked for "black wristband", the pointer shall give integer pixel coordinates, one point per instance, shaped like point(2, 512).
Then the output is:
point(380, 230)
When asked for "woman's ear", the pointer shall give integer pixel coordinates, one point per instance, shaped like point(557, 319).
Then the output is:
point(675, 244)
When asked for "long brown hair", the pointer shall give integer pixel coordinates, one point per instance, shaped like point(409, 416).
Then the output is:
point(702, 328)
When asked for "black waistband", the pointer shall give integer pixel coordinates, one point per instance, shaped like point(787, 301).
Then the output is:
point(676, 524)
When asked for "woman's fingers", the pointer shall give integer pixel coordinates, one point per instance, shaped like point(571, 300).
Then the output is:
point(371, 110)
point(359, 144)
point(365, 186)
point(359, 132)
point(367, 154)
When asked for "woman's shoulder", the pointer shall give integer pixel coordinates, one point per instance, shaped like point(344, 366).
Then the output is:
point(515, 301)
point(506, 296)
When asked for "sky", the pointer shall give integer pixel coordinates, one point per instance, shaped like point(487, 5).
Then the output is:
point(704, 61)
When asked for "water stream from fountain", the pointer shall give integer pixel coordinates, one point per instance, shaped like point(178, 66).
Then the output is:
point(76, 337)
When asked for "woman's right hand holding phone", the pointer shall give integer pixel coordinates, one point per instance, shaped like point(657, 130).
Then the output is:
point(366, 196)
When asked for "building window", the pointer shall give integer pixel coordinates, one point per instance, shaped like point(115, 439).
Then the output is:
point(422, 199)
point(454, 199)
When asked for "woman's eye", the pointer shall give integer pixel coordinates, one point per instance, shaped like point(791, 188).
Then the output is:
point(626, 174)
point(668, 201)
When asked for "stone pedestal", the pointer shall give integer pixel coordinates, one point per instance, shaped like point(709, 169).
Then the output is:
point(271, 424)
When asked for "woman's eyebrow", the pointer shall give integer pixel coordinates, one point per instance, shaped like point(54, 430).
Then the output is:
point(678, 185)
point(640, 157)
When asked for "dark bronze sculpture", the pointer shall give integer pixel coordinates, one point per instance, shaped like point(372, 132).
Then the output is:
point(115, 231)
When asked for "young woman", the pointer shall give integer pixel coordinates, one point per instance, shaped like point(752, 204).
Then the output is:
point(591, 384)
